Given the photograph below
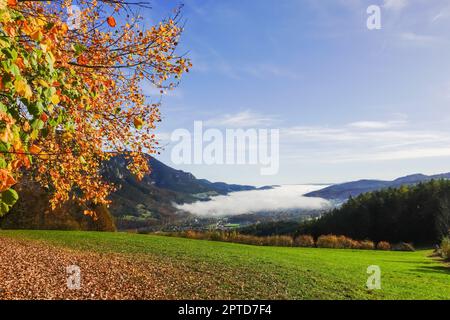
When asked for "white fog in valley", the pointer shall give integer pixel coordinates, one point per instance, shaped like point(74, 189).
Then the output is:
point(279, 198)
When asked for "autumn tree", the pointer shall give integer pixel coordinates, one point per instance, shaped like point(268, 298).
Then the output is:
point(71, 97)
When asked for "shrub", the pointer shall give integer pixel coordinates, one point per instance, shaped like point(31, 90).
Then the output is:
point(304, 241)
point(383, 245)
point(247, 239)
point(285, 241)
point(324, 241)
point(344, 243)
point(356, 244)
point(445, 248)
point(367, 245)
point(193, 235)
point(282, 241)
point(403, 246)
point(216, 236)
point(327, 241)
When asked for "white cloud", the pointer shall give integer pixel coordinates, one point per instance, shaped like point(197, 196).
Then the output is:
point(242, 119)
point(443, 14)
point(376, 124)
point(355, 137)
point(414, 153)
point(279, 198)
point(363, 141)
point(395, 4)
point(317, 134)
point(417, 39)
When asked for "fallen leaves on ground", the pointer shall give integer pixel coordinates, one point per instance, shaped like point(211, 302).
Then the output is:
point(37, 270)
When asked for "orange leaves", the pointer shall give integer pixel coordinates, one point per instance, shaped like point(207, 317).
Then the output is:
point(10, 30)
point(36, 35)
point(34, 149)
point(44, 117)
point(21, 161)
point(6, 135)
point(26, 28)
point(6, 118)
point(89, 213)
point(19, 62)
point(6, 180)
point(55, 99)
point(23, 89)
point(138, 122)
point(34, 28)
point(7, 121)
point(12, 3)
point(67, 136)
point(43, 83)
point(86, 92)
point(82, 60)
point(111, 22)
point(26, 127)
point(16, 164)
point(64, 28)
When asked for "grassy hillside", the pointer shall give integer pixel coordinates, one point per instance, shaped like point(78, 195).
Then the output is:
point(243, 271)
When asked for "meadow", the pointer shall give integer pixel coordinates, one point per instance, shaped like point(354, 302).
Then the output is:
point(239, 271)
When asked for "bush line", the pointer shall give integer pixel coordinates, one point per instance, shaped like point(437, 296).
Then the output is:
point(307, 241)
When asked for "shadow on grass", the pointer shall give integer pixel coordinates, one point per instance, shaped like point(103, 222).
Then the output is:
point(433, 269)
point(429, 266)
point(413, 261)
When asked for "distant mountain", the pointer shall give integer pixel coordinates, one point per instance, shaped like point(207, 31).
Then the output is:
point(150, 202)
point(145, 204)
point(343, 191)
point(166, 177)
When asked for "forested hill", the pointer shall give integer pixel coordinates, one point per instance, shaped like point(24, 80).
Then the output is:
point(165, 177)
point(135, 204)
point(418, 214)
point(354, 188)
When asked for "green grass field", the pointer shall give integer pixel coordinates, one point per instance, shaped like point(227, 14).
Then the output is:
point(273, 272)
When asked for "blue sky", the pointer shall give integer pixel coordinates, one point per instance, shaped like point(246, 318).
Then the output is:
point(349, 102)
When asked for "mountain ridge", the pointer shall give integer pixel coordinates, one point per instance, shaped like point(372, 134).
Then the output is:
point(151, 201)
point(343, 191)
point(136, 204)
